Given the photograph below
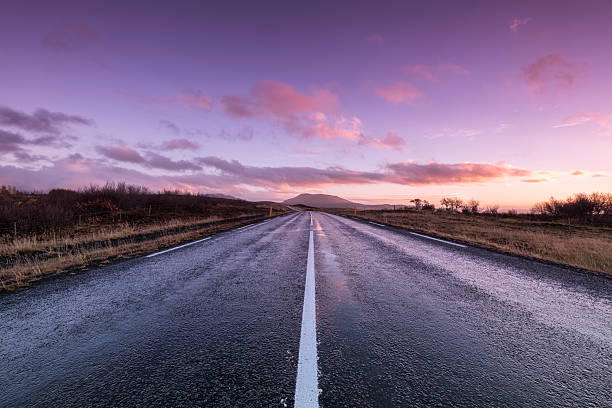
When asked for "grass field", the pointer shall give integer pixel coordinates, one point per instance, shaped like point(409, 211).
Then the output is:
point(583, 246)
point(84, 230)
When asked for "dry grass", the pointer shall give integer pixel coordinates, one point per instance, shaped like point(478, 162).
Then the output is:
point(586, 247)
point(93, 233)
point(29, 259)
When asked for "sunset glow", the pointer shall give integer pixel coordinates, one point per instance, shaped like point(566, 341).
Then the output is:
point(508, 102)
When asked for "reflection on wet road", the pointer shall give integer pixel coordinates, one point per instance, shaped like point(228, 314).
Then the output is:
point(401, 320)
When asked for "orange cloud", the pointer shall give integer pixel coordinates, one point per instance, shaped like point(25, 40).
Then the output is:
point(400, 92)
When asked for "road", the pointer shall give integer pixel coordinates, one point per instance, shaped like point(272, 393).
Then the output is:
point(273, 312)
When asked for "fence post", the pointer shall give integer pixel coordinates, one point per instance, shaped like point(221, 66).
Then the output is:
point(15, 229)
point(569, 225)
point(149, 211)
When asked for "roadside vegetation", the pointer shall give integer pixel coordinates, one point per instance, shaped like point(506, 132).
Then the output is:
point(66, 231)
point(576, 231)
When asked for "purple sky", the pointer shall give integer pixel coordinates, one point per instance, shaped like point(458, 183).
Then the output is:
point(508, 102)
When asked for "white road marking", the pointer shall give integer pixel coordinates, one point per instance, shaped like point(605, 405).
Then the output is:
point(311, 224)
point(178, 247)
point(375, 223)
point(307, 382)
point(436, 239)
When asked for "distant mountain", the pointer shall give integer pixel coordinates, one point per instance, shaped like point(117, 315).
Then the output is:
point(330, 201)
point(219, 195)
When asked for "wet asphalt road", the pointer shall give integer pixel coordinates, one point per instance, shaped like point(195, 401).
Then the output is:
point(400, 321)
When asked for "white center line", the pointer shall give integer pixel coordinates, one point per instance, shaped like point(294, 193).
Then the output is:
point(307, 382)
point(178, 247)
point(375, 223)
point(439, 240)
point(311, 224)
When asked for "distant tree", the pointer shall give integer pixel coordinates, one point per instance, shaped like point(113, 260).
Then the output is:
point(471, 207)
point(418, 203)
point(451, 204)
point(428, 206)
point(492, 209)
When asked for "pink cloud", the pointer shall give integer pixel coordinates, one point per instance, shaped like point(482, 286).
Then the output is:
point(410, 173)
point(179, 144)
point(517, 22)
point(280, 100)
point(550, 73)
point(400, 92)
point(343, 128)
point(306, 115)
point(537, 180)
point(433, 72)
point(375, 39)
point(283, 100)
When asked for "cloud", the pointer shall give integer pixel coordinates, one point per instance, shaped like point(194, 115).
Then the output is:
point(433, 72)
point(342, 128)
point(537, 180)
point(550, 73)
point(179, 144)
point(280, 100)
point(410, 173)
point(231, 175)
point(161, 162)
point(41, 120)
point(121, 153)
point(244, 134)
point(193, 99)
point(517, 22)
point(70, 36)
point(306, 115)
point(390, 141)
point(11, 142)
point(237, 107)
point(375, 39)
point(407, 173)
point(400, 92)
point(600, 119)
point(170, 126)
point(126, 154)
point(578, 173)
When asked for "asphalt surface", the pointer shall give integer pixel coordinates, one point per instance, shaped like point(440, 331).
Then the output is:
point(401, 320)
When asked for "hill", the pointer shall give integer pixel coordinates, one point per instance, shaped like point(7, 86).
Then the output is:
point(330, 201)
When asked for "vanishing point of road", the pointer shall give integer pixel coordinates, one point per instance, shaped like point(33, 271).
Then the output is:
point(311, 309)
